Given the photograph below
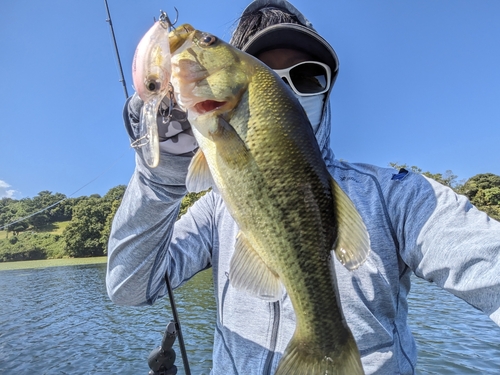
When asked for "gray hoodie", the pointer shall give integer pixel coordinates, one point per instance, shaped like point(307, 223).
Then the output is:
point(415, 224)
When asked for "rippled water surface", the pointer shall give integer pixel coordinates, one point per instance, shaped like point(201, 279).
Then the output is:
point(59, 320)
point(452, 336)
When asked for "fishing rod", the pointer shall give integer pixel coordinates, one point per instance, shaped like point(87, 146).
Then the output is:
point(108, 20)
point(177, 326)
point(161, 356)
point(126, 96)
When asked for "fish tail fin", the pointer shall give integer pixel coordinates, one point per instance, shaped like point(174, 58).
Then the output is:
point(300, 359)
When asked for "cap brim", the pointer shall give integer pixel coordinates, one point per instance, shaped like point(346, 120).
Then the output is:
point(294, 36)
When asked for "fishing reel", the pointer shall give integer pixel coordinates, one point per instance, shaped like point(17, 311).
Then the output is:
point(161, 359)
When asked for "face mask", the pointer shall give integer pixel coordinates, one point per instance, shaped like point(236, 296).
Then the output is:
point(313, 105)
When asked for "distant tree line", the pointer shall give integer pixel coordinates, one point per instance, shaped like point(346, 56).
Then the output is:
point(88, 219)
point(483, 190)
point(86, 234)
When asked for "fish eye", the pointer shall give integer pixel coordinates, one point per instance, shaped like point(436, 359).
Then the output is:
point(208, 40)
point(152, 84)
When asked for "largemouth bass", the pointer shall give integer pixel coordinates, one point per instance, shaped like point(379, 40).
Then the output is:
point(258, 150)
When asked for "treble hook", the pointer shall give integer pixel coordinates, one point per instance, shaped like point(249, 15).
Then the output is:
point(166, 112)
point(164, 18)
point(166, 117)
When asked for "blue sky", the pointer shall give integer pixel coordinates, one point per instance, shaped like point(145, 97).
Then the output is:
point(419, 83)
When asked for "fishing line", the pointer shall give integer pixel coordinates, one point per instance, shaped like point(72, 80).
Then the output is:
point(69, 196)
point(167, 280)
point(122, 80)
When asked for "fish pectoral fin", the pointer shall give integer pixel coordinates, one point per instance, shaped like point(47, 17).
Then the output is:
point(199, 177)
point(249, 272)
point(231, 149)
point(222, 129)
point(353, 242)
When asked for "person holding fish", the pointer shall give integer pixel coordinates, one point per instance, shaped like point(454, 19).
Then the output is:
point(254, 127)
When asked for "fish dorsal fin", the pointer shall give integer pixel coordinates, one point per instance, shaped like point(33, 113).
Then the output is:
point(199, 177)
point(249, 272)
point(353, 243)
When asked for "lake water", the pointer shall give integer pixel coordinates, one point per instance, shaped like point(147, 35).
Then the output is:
point(59, 320)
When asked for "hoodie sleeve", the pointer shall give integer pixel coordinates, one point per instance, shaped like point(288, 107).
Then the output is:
point(444, 239)
point(142, 229)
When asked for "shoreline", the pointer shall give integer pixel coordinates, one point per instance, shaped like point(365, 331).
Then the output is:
point(44, 263)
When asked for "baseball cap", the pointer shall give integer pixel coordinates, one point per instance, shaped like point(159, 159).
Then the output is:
point(290, 35)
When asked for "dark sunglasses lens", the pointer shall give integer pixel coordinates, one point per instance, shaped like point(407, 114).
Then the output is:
point(309, 78)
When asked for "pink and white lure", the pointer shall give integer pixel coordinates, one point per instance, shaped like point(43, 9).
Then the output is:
point(151, 71)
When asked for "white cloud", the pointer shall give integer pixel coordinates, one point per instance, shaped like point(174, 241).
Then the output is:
point(5, 192)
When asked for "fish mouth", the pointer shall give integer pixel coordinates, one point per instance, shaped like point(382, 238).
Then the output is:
point(208, 106)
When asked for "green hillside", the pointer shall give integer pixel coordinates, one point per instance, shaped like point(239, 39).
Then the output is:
point(70, 227)
point(51, 226)
point(46, 243)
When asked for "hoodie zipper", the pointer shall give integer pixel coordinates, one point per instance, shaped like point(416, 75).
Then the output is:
point(275, 309)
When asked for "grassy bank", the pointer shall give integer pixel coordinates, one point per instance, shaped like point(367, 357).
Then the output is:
point(54, 228)
point(44, 243)
point(29, 264)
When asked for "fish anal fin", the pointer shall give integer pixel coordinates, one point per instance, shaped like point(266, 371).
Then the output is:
point(199, 177)
point(353, 242)
point(249, 272)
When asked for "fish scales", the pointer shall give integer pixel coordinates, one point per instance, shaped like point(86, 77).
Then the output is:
point(298, 202)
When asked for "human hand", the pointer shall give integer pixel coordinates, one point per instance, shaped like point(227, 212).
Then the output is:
point(174, 131)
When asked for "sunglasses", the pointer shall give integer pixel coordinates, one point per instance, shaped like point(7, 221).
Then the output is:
point(307, 78)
